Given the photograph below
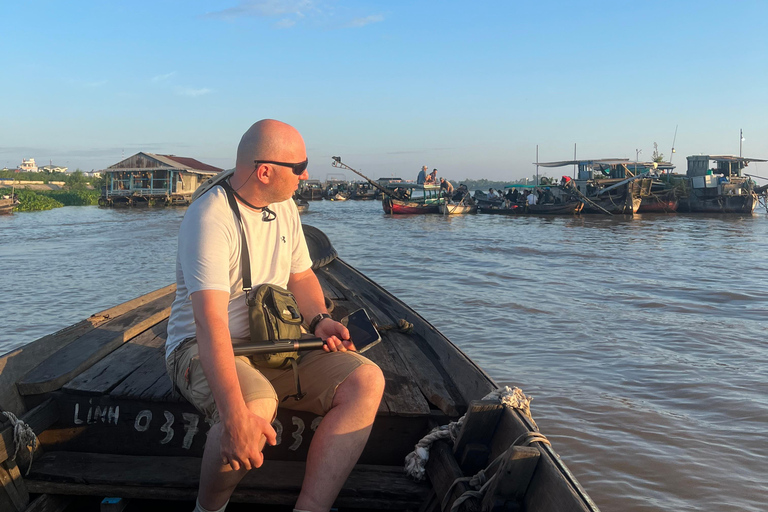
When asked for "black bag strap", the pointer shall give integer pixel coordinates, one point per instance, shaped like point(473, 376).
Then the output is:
point(245, 259)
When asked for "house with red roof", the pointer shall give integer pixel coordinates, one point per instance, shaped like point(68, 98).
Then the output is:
point(147, 179)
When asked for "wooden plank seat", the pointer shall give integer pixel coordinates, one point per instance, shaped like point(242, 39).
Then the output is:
point(275, 483)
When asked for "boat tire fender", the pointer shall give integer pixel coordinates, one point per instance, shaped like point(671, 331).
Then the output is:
point(320, 248)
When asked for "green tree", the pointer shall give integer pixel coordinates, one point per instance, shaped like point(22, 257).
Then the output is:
point(657, 157)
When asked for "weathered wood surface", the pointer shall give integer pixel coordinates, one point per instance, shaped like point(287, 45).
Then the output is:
point(38, 419)
point(105, 375)
point(510, 483)
point(472, 448)
point(443, 471)
point(14, 494)
point(50, 503)
point(469, 380)
point(70, 361)
point(15, 364)
point(552, 487)
point(277, 482)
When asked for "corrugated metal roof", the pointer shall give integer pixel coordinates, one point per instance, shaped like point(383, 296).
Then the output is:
point(191, 163)
point(563, 163)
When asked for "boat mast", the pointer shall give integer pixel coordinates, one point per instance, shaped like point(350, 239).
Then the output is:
point(338, 163)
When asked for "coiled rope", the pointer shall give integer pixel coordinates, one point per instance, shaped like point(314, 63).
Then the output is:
point(23, 435)
point(416, 461)
point(403, 325)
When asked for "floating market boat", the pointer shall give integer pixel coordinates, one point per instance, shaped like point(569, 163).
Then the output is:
point(109, 423)
point(569, 208)
point(413, 199)
point(716, 184)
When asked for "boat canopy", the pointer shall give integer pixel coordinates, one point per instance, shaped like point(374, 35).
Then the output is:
point(604, 161)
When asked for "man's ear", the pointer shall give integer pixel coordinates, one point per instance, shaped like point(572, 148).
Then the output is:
point(264, 173)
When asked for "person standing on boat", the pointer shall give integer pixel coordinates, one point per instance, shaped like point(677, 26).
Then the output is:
point(446, 187)
point(431, 178)
point(422, 177)
point(210, 311)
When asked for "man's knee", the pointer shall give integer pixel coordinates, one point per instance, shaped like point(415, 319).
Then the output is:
point(365, 384)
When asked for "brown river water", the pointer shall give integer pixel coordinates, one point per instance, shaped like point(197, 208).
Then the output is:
point(642, 340)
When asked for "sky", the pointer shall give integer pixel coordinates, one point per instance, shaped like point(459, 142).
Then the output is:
point(469, 88)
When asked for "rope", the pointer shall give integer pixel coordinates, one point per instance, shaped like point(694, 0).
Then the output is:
point(416, 461)
point(403, 325)
point(23, 435)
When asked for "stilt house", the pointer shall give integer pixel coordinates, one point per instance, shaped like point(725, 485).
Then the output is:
point(149, 179)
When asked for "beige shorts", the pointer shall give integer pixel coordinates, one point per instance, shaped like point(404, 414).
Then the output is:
point(320, 373)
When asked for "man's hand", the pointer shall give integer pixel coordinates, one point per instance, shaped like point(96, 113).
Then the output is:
point(335, 335)
point(242, 441)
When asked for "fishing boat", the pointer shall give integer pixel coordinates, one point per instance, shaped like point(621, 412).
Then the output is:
point(110, 425)
point(7, 203)
point(412, 198)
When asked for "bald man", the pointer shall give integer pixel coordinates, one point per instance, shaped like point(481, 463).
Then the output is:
point(209, 312)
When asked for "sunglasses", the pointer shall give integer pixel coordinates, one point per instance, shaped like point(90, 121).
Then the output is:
point(297, 169)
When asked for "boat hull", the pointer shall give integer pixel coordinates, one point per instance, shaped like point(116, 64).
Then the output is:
point(571, 208)
point(457, 209)
point(400, 207)
point(111, 424)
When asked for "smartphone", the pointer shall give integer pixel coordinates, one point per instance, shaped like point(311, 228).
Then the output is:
point(361, 330)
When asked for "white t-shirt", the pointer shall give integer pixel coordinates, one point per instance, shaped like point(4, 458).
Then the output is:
point(209, 256)
point(532, 198)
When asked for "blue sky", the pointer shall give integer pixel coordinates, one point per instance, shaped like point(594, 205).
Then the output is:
point(469, 88)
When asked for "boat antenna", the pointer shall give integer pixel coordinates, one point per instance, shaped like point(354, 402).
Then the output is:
point(338, 163)
point(673, 146)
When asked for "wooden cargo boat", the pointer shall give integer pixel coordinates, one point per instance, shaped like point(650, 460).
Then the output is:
point(716, 184)
point(110, 425)
point(569, 208)
point(421, 199)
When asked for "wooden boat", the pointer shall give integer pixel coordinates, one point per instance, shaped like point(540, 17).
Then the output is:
point(7, 203)
point(301, 205)
point(569, 208)
point(716, 184)
point(414, 199)
point(110, 425)
point(456, 208)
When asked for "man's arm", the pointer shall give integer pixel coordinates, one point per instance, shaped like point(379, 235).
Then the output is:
point(241, 440)
point(306, 288)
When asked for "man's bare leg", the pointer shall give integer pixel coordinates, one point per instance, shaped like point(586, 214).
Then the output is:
point(218, 481)
point(340, 438)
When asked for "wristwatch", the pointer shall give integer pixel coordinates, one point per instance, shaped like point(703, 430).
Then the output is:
point(319, 318)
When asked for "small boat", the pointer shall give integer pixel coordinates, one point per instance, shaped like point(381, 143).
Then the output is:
point(456, 208)
point(411, 198)
point(8, 203)
point(301, 205)
point(569, 208)
point(109, 423)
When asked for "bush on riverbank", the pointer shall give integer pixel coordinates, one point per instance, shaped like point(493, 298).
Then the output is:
point(32, 202)
point(81, 197)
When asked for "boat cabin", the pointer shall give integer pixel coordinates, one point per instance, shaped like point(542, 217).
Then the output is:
point(147, 179)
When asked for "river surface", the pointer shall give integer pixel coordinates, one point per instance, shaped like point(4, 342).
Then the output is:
point(642, 340)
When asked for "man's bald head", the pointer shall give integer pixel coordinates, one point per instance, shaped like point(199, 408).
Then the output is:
point(269, 139)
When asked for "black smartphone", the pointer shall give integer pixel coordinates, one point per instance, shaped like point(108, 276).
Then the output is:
point(361, 330)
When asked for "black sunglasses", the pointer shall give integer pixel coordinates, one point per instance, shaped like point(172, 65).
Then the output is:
point(298, 169)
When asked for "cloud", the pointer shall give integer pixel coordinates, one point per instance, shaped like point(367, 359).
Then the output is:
point(264, 9)
point(193, 93)
point(160, 78)
point(361, 22)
